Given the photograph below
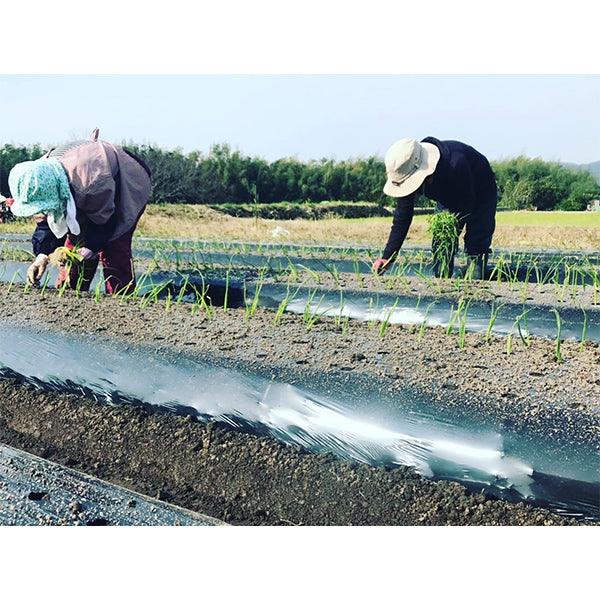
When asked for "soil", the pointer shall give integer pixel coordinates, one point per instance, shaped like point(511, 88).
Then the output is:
point(244, 479)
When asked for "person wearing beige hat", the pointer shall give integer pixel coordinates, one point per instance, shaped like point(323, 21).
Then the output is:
point(460, 180)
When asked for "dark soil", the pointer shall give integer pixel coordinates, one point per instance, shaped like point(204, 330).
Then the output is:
point(244, 479)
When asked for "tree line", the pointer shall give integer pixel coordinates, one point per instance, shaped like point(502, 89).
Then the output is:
point(224, 176)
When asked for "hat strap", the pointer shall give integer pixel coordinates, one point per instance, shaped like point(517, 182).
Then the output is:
point(416, 163)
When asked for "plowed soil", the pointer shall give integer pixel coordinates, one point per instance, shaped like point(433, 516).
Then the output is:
point(249, 480)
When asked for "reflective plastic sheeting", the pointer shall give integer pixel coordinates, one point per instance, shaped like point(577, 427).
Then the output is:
point(434, 447)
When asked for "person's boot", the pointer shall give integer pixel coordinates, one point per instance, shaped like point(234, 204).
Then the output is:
point(476, 264)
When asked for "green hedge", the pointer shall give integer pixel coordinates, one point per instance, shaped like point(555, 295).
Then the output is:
point(230, 178)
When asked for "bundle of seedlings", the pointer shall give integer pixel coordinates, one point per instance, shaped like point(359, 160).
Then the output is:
point(64, 256)
point(444, 227)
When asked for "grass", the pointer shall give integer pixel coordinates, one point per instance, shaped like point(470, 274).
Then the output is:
point(548, 218)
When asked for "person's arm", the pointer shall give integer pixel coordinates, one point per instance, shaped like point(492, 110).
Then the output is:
point(403, 216)
point(44, 241)
point(96, 235)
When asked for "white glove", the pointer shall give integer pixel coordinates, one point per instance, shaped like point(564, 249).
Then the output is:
point(37, 269)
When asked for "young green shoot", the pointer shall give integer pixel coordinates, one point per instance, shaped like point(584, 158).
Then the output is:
point(462, 326)
point(584, 331)
point(12, 281)
point(315, 274)
point(97, 291)
point(525, 337)
point(385, 322)
point(310, 318)
point(181, 293)
point(509, 340)
point(424, 322)
point(493, 317)
point(558, 353)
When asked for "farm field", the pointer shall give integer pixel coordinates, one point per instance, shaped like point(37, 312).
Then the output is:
point(523, 229)
point(513, 229)
point(516, 384)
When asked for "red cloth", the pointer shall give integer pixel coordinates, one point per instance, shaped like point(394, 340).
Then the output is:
point(117, 265)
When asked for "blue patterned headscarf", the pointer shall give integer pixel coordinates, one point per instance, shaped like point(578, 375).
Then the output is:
point(39, 186)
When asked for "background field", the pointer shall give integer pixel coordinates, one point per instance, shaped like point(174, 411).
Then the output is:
point(561, 230)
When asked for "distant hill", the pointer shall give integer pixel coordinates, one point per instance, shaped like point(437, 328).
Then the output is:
point(593, 168)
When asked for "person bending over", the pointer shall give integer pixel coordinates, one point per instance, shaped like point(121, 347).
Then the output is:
point(88, 196)
point(459, 179)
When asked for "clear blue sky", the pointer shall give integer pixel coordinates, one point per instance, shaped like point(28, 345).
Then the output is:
point(554, 117)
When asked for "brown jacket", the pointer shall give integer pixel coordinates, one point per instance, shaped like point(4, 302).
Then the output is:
point(104, 180)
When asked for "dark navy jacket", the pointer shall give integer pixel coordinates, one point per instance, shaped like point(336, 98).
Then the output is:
point(462, 181)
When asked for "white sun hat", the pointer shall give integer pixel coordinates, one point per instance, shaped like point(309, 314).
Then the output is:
point(407, 164)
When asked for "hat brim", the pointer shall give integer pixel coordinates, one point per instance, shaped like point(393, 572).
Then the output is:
point(22, 209)
point(415, 181)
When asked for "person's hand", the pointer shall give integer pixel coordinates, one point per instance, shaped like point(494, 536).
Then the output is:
point(86, 253)
point(62, 255)
point(37, 269)
point(380, 266)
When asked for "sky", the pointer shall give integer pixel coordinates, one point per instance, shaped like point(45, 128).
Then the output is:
point(339, 116)
point(326, 79)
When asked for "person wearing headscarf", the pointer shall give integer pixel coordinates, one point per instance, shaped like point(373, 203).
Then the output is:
point(460, 180)
point(88, 196)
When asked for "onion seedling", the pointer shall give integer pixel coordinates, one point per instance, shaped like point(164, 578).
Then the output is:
point(284, 304)
point(424, 322)
point(454, 315)
point(359, 277)
point(252, 306)
point(524, 338)
point(509, 340)
point(584, 331)
point(12, 281)
point(386, 321)
point(181, 293)
point(558, 353)
point(493, 318)
point(315, 274)
point(462, 326)
point(97, 291)
point(311, 318)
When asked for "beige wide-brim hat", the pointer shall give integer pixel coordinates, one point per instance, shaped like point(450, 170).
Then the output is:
point(407, 164)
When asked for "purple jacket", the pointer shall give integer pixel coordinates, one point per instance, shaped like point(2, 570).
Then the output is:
point(111, 188)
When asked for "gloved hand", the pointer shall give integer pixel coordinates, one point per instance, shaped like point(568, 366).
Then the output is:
point(37, 269)
point(62, 255)
point(381, 265)
point(86, 253)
